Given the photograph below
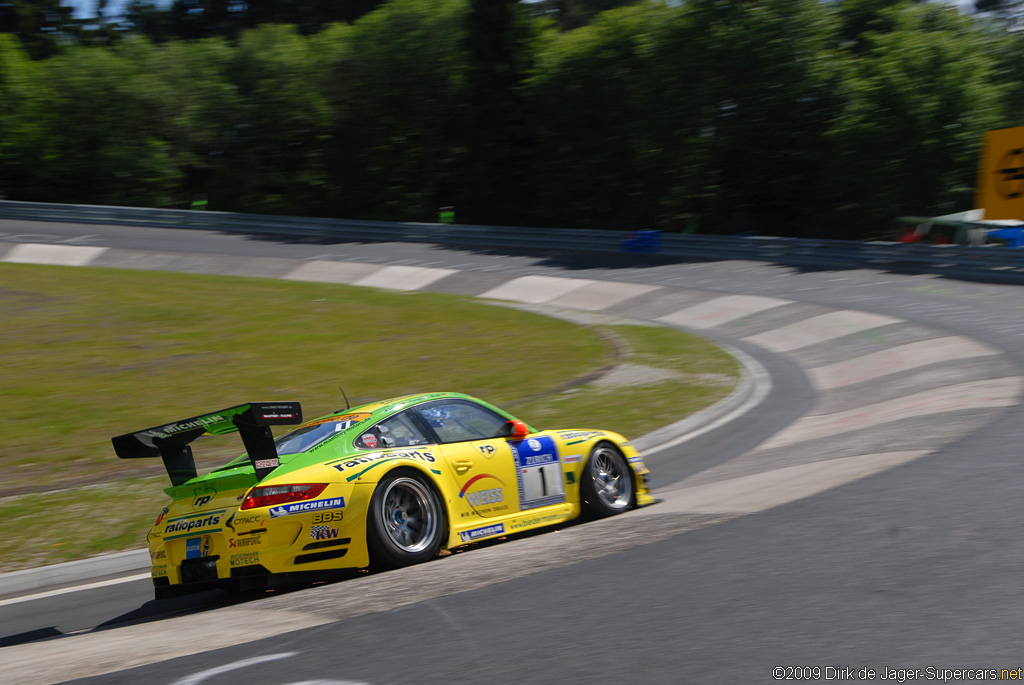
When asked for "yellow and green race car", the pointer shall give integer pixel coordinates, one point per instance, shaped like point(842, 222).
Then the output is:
point(382, 485)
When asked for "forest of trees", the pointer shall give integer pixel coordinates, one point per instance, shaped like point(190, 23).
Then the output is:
point(784, 117)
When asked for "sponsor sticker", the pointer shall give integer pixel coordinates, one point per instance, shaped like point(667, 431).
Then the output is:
point(186, 524)
point(485, 532)
point(483, 497)
point(486, 496)
point(193, 548)
point(328, 516)
point(638, 465)
point(539, 472)
point(537, 520)
point(244, 542)
point(370, 440)
point(303, 507)
point(346, 420)
point(202, 500)
point(577, 436)
point(171, 429)
point(419, 455)
point(160, 554)
point(267, 463)
point(572, 458)
point(246, 559)
point(323, 533)
point(277, 415)
point(159, 571)
point(207, 545)
point(234, 520)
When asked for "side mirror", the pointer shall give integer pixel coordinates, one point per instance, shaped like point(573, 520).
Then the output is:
point(514, 429)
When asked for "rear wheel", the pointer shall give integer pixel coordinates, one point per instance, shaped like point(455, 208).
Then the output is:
point(406, 522)
point(606, 487)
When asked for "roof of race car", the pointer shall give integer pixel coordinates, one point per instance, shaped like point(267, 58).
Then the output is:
point(373, 411)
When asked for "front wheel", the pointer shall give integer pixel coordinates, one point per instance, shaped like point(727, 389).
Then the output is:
point(406, 522)
point(606, 486)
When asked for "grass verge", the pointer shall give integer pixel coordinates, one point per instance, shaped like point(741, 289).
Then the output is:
point(91, 353)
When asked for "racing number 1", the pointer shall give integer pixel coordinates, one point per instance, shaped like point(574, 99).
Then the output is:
point(536, 483)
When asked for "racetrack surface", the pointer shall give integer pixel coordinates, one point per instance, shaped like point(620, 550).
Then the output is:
point(902, 391)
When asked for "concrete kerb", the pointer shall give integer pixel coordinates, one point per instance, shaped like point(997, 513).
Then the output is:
point(70, 572)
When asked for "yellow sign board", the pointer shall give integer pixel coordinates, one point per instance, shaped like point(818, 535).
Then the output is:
point(1000, 190)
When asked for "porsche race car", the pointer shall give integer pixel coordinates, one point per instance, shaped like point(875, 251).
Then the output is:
point(382, 485)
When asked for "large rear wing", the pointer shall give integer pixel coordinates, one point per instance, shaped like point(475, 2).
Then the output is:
point(171, 440)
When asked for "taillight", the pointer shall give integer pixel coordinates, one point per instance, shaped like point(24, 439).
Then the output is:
point(271, 495)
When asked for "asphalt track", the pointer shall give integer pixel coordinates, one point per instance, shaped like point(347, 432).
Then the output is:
point(863, 516)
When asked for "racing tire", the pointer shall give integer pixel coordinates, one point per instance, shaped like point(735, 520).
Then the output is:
point(406, 522)
point(606, 484)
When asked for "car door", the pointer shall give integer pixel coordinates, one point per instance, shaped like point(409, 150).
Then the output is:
point(483, 465)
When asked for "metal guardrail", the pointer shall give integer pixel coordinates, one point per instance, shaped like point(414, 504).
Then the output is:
point(989, 263)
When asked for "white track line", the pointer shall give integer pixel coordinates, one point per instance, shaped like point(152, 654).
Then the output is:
point(756, 374)
point(76, 588)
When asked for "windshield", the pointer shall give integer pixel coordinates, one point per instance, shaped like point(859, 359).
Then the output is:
point(312, 434)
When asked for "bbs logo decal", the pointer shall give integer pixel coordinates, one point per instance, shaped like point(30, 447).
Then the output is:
point(328, 516)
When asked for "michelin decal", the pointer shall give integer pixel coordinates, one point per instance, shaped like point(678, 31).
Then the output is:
point(303, 507)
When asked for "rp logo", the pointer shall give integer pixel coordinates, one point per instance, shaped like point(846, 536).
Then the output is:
point(487, 450)
point(201, 501)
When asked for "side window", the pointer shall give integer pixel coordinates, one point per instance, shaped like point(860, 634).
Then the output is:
point(458, 421)
point(394, 431)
